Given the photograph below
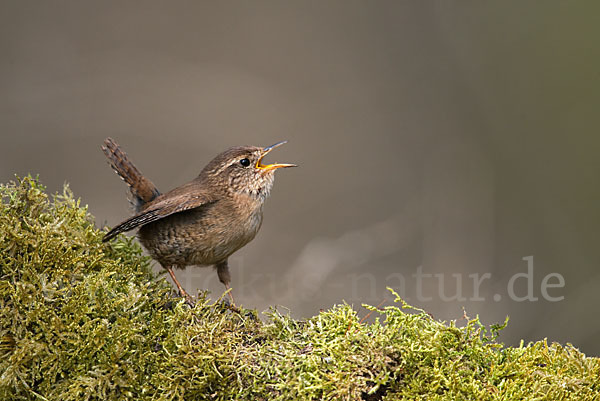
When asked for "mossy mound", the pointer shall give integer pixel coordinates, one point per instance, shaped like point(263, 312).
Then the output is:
point(81, 319)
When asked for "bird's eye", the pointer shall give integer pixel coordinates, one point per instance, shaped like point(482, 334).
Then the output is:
point(245, 162)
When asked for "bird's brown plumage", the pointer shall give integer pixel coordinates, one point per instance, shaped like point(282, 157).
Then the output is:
point(204, 221)
point(142, 189)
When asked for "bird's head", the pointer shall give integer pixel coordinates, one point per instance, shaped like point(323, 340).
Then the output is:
point(241, 170)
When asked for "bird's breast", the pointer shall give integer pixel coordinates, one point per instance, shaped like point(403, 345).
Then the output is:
point(205, 235)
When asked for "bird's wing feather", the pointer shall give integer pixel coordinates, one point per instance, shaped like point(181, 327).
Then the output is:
point(162, 207)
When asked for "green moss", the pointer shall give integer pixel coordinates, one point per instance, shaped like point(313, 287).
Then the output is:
point(81, 319)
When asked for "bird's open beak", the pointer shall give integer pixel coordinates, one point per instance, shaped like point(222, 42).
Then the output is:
point(274, 165)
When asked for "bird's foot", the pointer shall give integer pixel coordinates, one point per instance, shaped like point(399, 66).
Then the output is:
point(188, 298)
point(228, 304)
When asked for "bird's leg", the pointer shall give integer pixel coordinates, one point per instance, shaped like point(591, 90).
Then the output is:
point(182, 292)
point(225, 277)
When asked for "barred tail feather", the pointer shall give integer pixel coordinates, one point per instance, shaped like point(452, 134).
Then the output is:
point(142, 189)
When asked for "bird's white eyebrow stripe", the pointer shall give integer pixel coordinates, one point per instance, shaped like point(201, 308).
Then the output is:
point(235, 160)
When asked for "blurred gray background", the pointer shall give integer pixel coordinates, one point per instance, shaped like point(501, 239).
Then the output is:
point(452, 139)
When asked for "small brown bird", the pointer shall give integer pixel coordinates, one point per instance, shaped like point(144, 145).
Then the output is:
point(204, 221)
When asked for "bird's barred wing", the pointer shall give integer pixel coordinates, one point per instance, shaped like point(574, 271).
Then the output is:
point(159, 209)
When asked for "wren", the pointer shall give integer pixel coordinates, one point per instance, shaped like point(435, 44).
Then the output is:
point(205, 221)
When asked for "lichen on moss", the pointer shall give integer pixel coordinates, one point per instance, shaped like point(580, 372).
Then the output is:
point(85, 320)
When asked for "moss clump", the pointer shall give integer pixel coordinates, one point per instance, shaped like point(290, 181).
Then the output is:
point(80, 319)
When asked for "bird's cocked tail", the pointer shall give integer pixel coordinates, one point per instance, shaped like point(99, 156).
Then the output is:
point(142, 189)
